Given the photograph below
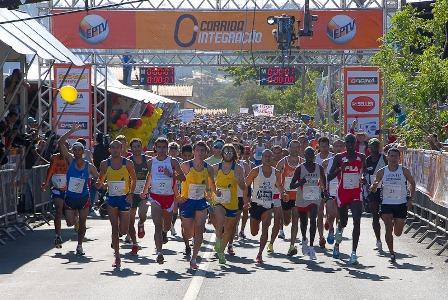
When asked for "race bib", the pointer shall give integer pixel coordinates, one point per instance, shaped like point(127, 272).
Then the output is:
point(225, 196)
point(163, 186)
point(287, 183)
point(139, 185)
point(311, 193)
point(392, 191)
point(116, 188)
point(333, 187)
point(59, 181)
point(350, 181)
point(76, 185)
point(196, 191)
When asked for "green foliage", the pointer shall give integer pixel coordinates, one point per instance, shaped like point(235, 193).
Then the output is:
point(241, 74)
point(418, 82)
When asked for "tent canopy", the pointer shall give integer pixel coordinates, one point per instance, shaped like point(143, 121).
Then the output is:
point(30, 38)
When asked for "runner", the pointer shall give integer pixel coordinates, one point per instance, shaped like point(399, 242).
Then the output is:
point(77, 194)
point(119, 173)
point(258, 148)
point(309, 177)
point(374, 162)
point(324, 153)
point(229, 176)
point(142, 167)
point(57, 173)
point(348, 167)
point(173, 151)
point(193, 207)
point(217, 153)
point(264, 179)
point(248, 166)
point(394, 178)
point(164, 170)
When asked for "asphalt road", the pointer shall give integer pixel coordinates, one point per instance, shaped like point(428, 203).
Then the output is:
point(30, 268)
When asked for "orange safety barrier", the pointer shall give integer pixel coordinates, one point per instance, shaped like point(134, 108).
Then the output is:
point(430, 171)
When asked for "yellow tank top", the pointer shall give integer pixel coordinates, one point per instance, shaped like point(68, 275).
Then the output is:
point(195, 183)
point(228, 185)
point(118, 181)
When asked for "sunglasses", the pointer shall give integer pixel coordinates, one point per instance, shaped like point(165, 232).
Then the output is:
point(227, 152)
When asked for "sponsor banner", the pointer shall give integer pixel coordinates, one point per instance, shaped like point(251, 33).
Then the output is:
point(369, 125)
point(263, 110)
point(363, 81)
point(244, 110)
point(81, 106)
point(212, 30)
point(186, 115)
point(66, 122)
point(363, 104)
point(76, 73)
point(430, 171)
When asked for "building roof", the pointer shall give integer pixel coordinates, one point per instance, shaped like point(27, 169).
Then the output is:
point(197, 105)
point(173, 90)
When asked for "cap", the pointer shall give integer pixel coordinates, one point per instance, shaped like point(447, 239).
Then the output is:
point(374, 141)
point(218, 144)
point(78, 144)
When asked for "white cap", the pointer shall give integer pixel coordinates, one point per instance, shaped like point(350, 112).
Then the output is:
point(78, 144)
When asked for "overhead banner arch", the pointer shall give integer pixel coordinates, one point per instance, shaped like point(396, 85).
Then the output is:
point(213, 30)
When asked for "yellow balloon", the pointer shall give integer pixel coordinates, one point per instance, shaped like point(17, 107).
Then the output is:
point(69, 94)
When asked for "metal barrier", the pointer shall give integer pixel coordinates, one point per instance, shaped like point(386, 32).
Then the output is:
point(8, 204)
point(429, 214)
point(41, 200)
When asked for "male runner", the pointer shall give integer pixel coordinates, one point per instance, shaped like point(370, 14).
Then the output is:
point(119, 173)
point(193, 207)
point(217, 152)
point(374, 162)
point(258, 148)
point(77, 194)
point(229, 176)
point(395, 196)
point(162, 180)
point(309, 177)
point(264, 179)
point(348, 168)
point(174, 152)
point(142, 167)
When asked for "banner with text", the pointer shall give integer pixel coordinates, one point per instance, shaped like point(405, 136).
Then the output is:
point(263, 110)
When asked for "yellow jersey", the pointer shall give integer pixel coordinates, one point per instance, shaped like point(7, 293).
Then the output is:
point(196, 183)
point(118, 181)
point(228, 185)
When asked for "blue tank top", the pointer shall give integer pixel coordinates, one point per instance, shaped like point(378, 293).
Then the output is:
point(77, 181)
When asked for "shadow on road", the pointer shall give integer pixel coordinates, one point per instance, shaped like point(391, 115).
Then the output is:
point(123, 273)
point(409, 266)
point(170, 275)
point(71, 258)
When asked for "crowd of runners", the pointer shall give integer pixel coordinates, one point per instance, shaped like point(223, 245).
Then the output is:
point(226, 170)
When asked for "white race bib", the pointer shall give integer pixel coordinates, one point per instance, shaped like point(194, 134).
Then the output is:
point(76, 185)
point(311, 193)
point(392, 191)
point(162, 186)
point(196, 191)
point(333, 187)
point(287, 183)
point(59, 181)
point(225, 196)
point(116, 188)
point(350, 181)
point(139, 185)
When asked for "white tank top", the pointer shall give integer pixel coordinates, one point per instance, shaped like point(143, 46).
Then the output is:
point(258, 151)
point(319, 158)
point(161, 184)
point(264, 188)
point(333, 185)
point(394, 188)
point(310, 192)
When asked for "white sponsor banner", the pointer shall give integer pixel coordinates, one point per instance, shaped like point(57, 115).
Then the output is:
point(363, 81)
point(76, 73)
point(66, 122)
point(82, 105)
point(370, 125)
point(244, 110)
point(186, 115)
point(363, 104)
point(263, 110)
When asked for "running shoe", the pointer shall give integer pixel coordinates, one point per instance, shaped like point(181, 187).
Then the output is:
point(221, 258)
point(392, 258)
point(141, 230)
point(134, 250)
point(79, 250)
point(327, 225)
point(338, 236)
point(160, 258)
point(336, 252)
point(270, 248)
point(58, 242)
point(242, 235)
point(281, 234)
point(292, 250)
point(194, 264)
point(173, 231)
point(230, 250)
point(330, 237)
point(353, 259)
point(379, 246)
point(117, 263)
point(127, 239)
point(258, 259)
point(305, 247)
point(164, 237)
point(187, 250)
point(322, 242)
point(312, 253)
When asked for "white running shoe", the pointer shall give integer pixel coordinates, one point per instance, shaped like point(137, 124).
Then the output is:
point(379, 246)
point(353, 259)
point(305, 248)
point(312, 253)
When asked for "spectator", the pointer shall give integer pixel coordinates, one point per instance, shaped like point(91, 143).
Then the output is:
point(100, 150)
point(11, 83)
point(434, 143)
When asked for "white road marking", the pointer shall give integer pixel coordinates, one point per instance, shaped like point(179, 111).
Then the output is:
point(198, 277)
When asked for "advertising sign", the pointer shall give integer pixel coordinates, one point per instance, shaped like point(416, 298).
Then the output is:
point(362, 99)
point(263, 110)
point(212, 30)
point(244, 110)
point(186, 115)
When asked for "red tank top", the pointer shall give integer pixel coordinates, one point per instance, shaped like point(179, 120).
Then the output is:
point(349, 187)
